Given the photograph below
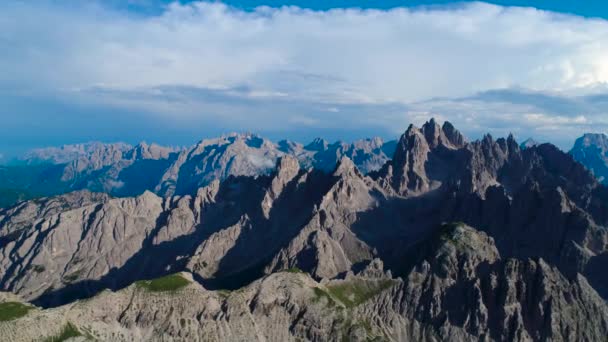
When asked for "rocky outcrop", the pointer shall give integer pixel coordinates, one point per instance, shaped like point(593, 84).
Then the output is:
point(465, 290)
point(434, 156)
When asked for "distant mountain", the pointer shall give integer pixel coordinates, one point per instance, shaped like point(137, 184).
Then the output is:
point(528, 143)
point(118, 169)
point(591, 150)
point(124, 170)
point(449, 240)
point(93, 155)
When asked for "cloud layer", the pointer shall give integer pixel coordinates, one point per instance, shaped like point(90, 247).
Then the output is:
point(287, 68)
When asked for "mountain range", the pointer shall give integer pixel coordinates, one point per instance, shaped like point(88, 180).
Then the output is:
point(432, 237)
point(123, 170)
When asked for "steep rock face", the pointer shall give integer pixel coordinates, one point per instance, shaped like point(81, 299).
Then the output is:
point(462, 282)
point(287, 169)
point(277, 208)
point(591, 150)
point(418, 165)
point(76, 243)
point(326, 246)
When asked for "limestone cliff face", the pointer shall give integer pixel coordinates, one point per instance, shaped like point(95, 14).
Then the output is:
point(462, 281)
point(450, 240)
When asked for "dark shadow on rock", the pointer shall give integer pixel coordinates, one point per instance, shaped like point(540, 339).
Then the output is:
point(152, 260)
point(597, 274)
point(142, 175)
point(262, 238)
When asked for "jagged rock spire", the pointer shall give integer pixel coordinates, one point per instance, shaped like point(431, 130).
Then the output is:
point(318, 144)
point(409, 174)
point(287, 169)
point(453, 135)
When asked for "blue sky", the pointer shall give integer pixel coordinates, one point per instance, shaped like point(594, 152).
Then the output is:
point(175, 73)
point(582, 8)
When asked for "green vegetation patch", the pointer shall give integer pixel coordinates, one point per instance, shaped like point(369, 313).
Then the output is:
point(169, 283)
point(70, 278)
point(294, 270)
point(13, 310)
point(67, 332)
point(447, 230)
point(224, 293)
point(356, 292)
point(320, 294)
point(459, 237)
point(37, 268)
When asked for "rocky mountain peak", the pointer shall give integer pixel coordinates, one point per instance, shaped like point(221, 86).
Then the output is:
point(290, 147)
point(458, 240)
point(528, 143)
point(152, 151)
point(287, 165)
point(287, 169)
point(453, 135)
point(591, 150)
point(599, 140)
point(433, 133)
point(408, 164)
point(487, 139)
point(446, 135)
point(318, 144)
point(346, 168)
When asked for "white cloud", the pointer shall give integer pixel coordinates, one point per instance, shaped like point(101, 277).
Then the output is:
point(304, 120)
point(113, 185)
point(338, 55)
point(340, 69)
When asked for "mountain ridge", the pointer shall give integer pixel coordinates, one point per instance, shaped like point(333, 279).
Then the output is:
point(124, 170)
point(437, 244)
